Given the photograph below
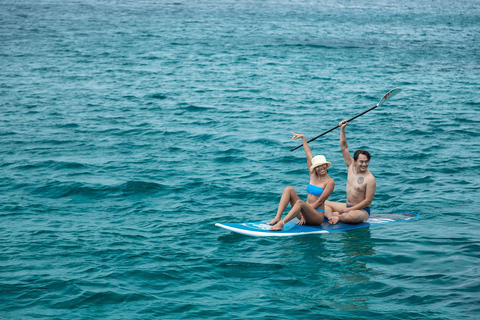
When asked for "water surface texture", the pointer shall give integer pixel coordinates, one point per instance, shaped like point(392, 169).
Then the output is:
point(129, 128)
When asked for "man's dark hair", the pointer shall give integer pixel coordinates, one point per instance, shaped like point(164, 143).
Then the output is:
point(359, 152)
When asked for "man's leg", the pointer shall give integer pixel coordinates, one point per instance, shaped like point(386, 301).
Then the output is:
point(333, 208)
point(352, 217)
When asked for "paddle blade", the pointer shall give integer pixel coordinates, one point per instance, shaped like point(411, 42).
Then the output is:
point(390, 94)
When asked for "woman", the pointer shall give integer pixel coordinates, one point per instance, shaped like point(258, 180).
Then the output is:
point(319, 189)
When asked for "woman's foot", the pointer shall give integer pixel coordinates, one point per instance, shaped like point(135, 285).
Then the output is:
point(278, 227)
point(274, 221)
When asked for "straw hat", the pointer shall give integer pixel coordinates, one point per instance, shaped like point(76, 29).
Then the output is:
point(318, 161)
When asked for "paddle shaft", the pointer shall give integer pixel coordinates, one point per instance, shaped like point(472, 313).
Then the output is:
point(358, 115)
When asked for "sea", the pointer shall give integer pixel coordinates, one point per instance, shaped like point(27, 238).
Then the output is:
point(128, 128)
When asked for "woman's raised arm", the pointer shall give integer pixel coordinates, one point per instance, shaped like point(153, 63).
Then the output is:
point(306, 147)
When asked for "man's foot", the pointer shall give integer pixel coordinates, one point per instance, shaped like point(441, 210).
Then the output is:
point(333, 220)
point(278, 227)
point(274, 221)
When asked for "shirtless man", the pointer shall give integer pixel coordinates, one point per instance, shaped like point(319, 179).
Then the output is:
point(361, 187)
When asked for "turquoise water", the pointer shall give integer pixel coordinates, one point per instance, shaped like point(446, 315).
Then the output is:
point(129, 128)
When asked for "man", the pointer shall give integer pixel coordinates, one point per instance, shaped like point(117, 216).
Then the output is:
point(361, 187)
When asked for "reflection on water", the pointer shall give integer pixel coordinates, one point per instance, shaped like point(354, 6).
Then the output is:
point(329, 269)
point(347, 254)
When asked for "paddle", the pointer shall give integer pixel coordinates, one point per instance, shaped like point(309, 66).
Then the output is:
point(388, 95)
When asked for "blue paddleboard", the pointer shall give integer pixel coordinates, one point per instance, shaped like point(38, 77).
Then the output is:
point(260, 229)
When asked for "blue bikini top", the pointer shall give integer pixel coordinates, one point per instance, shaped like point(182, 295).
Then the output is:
point(316, 191)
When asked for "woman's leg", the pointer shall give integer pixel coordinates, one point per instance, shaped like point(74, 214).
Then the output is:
point(312, 216)
point(289, 195)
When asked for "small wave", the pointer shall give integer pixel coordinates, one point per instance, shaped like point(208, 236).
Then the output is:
point(193, 108)
point(203, 137)
point(330, 44)
point(69, 125)
point(58, 189)
point(52, 164)
point(265, 141)
point(7, 133)
point(232, 151)
point(152, 57)
point(12, 209)
point(158, 96)
point(141, 187)
point(100, 298)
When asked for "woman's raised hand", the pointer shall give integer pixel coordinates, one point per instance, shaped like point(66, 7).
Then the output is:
point(296, 135)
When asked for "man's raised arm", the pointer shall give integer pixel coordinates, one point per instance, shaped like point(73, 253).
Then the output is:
point(344, 145)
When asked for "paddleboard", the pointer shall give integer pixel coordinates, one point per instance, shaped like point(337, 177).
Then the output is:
point(261, 229)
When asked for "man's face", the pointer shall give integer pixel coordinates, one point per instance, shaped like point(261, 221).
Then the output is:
point(362, 163)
